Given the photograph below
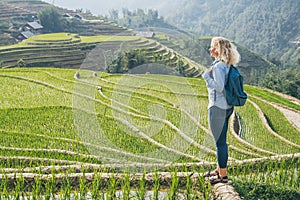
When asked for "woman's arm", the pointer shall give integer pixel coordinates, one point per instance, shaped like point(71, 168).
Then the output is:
point(217, 80)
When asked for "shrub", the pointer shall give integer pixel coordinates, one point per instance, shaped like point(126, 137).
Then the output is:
point(21, 63)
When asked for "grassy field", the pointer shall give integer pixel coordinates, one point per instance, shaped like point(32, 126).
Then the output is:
point(89, 134)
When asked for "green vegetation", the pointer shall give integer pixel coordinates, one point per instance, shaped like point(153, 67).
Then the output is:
point(250, 190)
point(264, 26)
point(115, 54)
point(127, 61)
point(51, 20)
point(276, 181)
point(268, 179)
point(270, 96)
point(62, 125)
point(285, 81)
point(274, 117)
point(139, 19)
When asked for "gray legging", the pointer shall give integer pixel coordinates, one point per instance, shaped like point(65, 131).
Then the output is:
point(218, 122)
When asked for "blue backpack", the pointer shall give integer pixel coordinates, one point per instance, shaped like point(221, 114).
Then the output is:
point(234, 88)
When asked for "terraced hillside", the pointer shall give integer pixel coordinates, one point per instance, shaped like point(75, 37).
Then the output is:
point(11, 18)
point(252, 66)
point(16, 13)
point(76, 133)
point(9, 11)
point(89, 52)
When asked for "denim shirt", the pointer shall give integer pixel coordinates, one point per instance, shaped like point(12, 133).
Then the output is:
point(215, 81)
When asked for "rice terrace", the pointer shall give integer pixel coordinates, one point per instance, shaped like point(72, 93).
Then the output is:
point(76, 125)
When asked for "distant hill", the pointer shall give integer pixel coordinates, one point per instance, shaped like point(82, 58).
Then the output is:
point(253, 66)
point(264, 26)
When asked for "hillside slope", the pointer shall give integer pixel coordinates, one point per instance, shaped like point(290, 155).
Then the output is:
point(252, 65)
point(94, 53)
point(16, 13)
point(264, 26)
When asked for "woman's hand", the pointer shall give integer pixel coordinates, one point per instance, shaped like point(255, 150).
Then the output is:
point(208, 70)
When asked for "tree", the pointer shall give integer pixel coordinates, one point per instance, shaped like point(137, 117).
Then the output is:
point(21, 63)
point(114, 15)
point(126, 60)
point(52, 20)
point(286, 81)
point(139, 18)
point(180, 66)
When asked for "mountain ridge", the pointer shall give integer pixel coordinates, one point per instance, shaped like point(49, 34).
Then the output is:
point(263, 26)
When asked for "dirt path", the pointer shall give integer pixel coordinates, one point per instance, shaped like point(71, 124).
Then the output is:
point(292, 116)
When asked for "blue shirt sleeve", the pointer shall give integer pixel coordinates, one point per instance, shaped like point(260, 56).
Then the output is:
point(216, 78)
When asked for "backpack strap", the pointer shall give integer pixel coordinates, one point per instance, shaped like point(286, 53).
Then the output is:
point(215, 92)
point(226, 80)
point(215, 95)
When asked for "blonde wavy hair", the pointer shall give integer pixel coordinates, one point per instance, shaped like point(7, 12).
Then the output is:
point(226, 50)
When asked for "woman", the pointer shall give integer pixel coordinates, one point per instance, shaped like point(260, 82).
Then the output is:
point(219, 111)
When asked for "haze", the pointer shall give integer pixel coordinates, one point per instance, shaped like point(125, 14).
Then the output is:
point(102, 7)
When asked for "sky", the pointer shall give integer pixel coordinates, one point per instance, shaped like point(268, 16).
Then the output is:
point(102, 7)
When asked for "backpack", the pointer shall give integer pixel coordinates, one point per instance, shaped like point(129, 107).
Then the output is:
point(234, 88)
